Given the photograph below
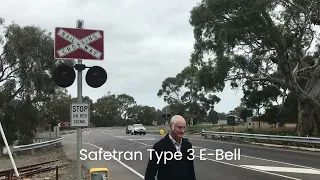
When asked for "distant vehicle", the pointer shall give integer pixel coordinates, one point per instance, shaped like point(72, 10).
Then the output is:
point(233, 120)
point(138, 129)
point(129, 129)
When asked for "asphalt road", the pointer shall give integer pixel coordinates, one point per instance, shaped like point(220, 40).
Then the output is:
point(242, 162)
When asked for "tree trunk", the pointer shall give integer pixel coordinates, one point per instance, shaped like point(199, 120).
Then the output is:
point(308, 120)
point(308, 112)
point(308, 97)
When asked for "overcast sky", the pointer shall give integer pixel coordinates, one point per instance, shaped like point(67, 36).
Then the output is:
point(145, 41)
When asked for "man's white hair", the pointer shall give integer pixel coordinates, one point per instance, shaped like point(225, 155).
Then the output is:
point(174, 120)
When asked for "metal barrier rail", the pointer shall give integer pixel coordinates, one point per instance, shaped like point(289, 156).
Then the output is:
point(311, 140)
point(44, 143)
point(36, 145)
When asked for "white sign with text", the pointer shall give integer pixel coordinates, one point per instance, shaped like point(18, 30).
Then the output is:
point(79, 114)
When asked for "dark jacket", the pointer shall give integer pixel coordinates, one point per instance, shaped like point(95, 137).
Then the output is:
point(173, 169)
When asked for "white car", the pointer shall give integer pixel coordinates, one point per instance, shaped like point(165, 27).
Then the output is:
point(138, 129)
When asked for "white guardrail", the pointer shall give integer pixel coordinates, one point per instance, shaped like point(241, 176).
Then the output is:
point(311, 140)
point(41, 144)
point(37, 145)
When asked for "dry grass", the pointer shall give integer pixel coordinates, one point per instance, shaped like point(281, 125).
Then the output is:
point(65, 173)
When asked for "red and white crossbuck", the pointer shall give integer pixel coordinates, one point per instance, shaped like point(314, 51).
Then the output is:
point(78, 44)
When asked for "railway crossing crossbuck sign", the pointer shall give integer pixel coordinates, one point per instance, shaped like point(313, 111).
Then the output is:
point(73, 43)
point(79, 44)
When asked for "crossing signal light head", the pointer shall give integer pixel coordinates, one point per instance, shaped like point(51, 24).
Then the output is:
point(64, 75)
point(96, 76)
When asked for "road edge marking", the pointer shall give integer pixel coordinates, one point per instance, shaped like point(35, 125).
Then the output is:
point(120, 162)
point(234, 165)
point(285, 169)
point(252, 169)
point(255, 146)
point(269, 160)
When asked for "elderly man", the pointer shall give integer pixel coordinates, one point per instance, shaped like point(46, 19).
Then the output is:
point(181, 166)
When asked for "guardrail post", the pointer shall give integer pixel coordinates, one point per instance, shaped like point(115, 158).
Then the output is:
point(14, 153)
point(10, 175)
point(57, 169)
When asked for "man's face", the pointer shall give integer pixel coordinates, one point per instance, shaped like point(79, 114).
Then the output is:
point(179, 128)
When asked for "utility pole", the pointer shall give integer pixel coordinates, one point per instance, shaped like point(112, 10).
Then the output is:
point(79, 100)
point(80, 47)
point(166, 120)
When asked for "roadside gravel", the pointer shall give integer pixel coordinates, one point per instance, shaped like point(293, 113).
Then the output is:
point(65, 173)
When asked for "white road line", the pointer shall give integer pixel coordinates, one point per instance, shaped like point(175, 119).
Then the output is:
point(142, 139)
point(83, 143)
point(91, 137)
point(252, 157)
point(252, 169)
point(123, 164)
point(126, 145)
point(239, 166)
point(114, 135)
point(121, 137)
point(284, 169)
point(262, 159)
point(251, 145)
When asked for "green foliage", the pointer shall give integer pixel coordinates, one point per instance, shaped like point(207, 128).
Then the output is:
point(26, 64)
point(245, 113)
point(263, 46)
point(185, 95)
point(213, 117)
point(9, 124)
point(27, 60)
point(222, 116)
point(260, 94)
point(56, 109)
point(246, 38)
point(271, 115)
point(231, 120)
point(286, 113)
point(122, 110)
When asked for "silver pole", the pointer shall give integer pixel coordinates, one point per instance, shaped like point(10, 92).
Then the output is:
point(79, 129)
point(166, 119)
point(167, 113)
point(9, 151)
